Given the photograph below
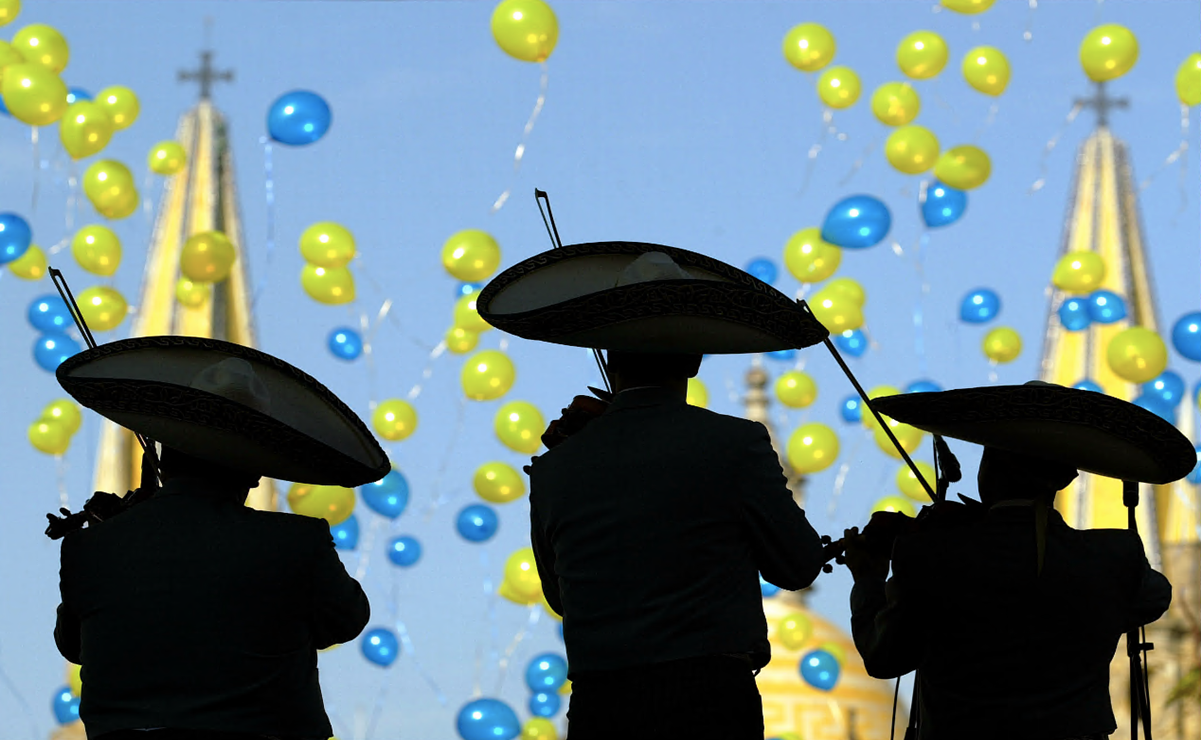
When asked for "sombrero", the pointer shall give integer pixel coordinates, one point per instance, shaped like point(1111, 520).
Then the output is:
point(636, 297)
point(229, 404)
point(1090, 431)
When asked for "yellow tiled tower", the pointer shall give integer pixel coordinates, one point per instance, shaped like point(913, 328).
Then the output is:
point(1103, 217)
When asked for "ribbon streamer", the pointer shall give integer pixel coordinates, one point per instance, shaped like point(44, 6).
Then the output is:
point(828, 128)
point(37, 169)
point(1178, 154)
point(529, 126)
point(841, 479)
point(437, 498)
point(867, 150)
point(269, 180)
point(1042, 162)
point(1029, 32)
point(503, 666)
point(988, 120)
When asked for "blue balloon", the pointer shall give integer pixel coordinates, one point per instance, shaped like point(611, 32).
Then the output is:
point(52, 348)
point(1168, 387)
point(4, 109)
point(546, 672)
point(922, 386)
point(1195, 475)
point(15, 237)
point(768, 589)
point(1073, 314)
point(346, 534)
point(851, 409)
point(1088, 385)
point(468, 289)
point(944, 205)
point(857, 222)
point(784, 355)
point(764, 269)
point(404, 551)
point(1186, 336)
point(76, 94)
point(1106, 307)
point(49, 313)
point(487, 719)
point(345, 343)
point(66, 706)
point(380, 646)
point(979, 306)
point(852, 342)
point(1157, 406)
point(545, 704)
point(298, 118)
point(477, 523)
point(560, 630)
point(387, 496)
point(820, 669)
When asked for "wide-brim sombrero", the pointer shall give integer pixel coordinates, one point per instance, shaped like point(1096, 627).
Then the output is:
point(308, 435)
point(1090, 431)
point(570, 295)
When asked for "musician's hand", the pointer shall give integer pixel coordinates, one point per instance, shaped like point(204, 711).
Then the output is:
point(859, 558)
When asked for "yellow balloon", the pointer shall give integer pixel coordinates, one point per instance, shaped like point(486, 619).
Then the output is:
point(471, 255)
point(910, 486)
point(1137, 354)
point(192, 293)
point(97, 249)
point(987, 70)
point(1188, 80)
point(812, 448)
point(794, 630)
point(466, 315)
point(49, 436)
point(868, 418)
point(510, 593)
point(697, 394)
point(8, 54)
point(327, 244)
point(519, 426)
point(207, 257)
point(8, 11)
point(809, 47)
point(968, 7)
point(110, 187)
point(66, 412)
point(84, 129)
point(908, 436)
point(488, 375)
point(498, 483)
point(1003, 345)
point(912, 149)
point(329, 285)
point(1079, 272)
point(839, 87)
point(122, 105)
point(848, 288)
point(521, 573)
point(526, 30)
point(74, 678)
point(809, 258)
point(394, 419)
point(167, 158)
point(31, 265)
point(963, 167)
point(1108, 52)
point(33, 94)
point(546, 608)
point(897, 504)
point(334, 504)
point(922, 55)
point(565, 689)
point(43, 45)
point(796, 389)
point(836, 311)
point(102, 307)
point(895, 103)
point(461, 341)
point(539, 728)
point(835, 649)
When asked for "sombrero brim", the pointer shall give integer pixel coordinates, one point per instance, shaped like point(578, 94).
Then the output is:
point(567, 296)
point(309, 436)
point(1087, 430)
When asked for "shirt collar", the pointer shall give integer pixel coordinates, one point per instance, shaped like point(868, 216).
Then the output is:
point(645, 395)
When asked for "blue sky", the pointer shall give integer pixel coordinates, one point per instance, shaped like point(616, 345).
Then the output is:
point(674, 123)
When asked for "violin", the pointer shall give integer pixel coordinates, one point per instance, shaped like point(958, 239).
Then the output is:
point(103, 506)
point(576, 416)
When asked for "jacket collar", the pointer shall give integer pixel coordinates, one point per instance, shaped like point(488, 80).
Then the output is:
point(643, 396)
point(187, 486)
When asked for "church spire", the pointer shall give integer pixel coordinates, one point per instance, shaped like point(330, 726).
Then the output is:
point(206, 75)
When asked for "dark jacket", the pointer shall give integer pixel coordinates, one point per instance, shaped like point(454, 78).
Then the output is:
point(194, 611)
point(1002, 652)
point(650, 528)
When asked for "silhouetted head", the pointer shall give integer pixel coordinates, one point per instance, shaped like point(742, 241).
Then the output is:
point(176, 464)
point(1008, 475)
point(633, 369)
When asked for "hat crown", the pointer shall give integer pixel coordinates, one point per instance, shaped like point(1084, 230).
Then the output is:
point(651, 266)
point(234, 379)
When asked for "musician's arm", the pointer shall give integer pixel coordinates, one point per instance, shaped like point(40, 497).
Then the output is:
point(885, 621)
point(66, 626)
point(544, 559)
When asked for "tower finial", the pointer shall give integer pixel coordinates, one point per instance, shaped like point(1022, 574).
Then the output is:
point(1103, 104)
point(206, 75)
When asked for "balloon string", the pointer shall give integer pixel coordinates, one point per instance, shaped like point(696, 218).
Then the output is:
point(407, 642)
point(1028, 34)
point(992, 371)
point(365, 553)
point(843, 470)
point(918, 321)
point(867, 150)
point(37, 730)
point(37, 169)
point(1178, 154)
point(941, 102)
point(437, 498)
point(503, 666)
point(827, 128)
point(493, 627)
point(988, 120)
point(1042, 162)
point(269, 185)
point(72, 197)
point(529, 126)
point(60, 473)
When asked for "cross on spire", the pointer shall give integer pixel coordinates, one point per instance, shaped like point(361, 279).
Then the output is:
point(206, 75)
point(1103, 104)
